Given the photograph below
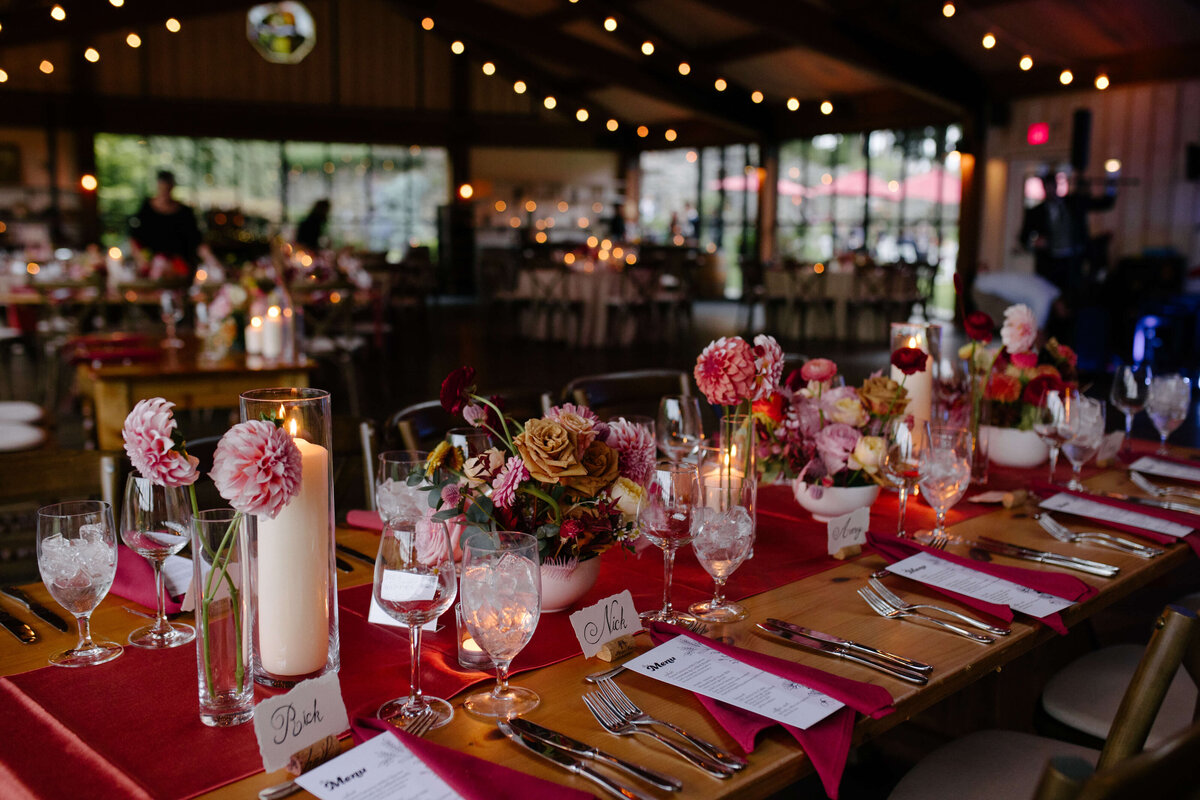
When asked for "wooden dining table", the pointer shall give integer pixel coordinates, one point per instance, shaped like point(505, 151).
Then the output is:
point(825, 600)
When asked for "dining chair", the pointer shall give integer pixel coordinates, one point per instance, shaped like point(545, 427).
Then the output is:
point(810, 300)
point(633, 392)
point(421, 426)
point(997, 763)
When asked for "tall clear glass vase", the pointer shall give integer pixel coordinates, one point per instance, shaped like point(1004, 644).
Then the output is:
point(223, 617)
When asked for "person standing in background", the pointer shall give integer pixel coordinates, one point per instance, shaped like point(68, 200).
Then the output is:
point(311, 229)
point(165, 228)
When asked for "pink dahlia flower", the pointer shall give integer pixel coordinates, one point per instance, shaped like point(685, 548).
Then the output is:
point(768, 361)
point(635, 450)
point(725, 371)
point(148, 441)
point(257, 468)
point(1019, 332)
point(504, 488)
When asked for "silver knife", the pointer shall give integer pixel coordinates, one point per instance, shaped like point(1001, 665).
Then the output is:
point(1166, 505)
point(570, 763)
point(1043, 557)
point(819, 646)
point(585, 750)
point(36, 607)
point(21, 630)
point(350, 551)
point(866, 650)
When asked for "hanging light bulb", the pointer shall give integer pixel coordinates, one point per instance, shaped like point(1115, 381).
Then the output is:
point(793, 104)
point(989, 41)
point(826, 107)
point(1102, 81)
point(58, 13)
point(1026, 63)
point(1065, 77)
point(948, 10)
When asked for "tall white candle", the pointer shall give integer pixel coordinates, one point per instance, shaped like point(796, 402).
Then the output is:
point(293, 574)
point(254, 337)
point(272, 338)
point(920, 389)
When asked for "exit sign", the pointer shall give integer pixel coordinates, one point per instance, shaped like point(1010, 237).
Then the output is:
point(1038, 133)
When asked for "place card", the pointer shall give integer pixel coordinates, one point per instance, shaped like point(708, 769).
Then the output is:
point(611, 618)
point(312, 710)
point(1166, 469)
point(849, 530)
point(933, 571)
point(1110, 445)
point(177, 575)
point(988, 497)
point(380, 617)
point(1103, 512)
point(399, 586)
point(693, 665)
point(381, 767)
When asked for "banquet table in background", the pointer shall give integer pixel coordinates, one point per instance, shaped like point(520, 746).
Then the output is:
point(167, 752)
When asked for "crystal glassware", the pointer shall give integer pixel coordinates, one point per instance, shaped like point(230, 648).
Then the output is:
point(665, 518)
point(1167, 404)
point(1089, 433)
point(501, 604)
point(900, 464)
point(415, 583)
point(1129, 393)
point(156, 523)
point(171, 306)
point(77, 557)
point(944, 470)
point(678, 428)
point(398, 479)
point(469, 441)
point(724, 538)
point(1057, 421)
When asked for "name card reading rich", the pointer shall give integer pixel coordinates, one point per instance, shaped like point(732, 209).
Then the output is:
point(381, 767)
point(1103, 512)
point(929, 569)
point(849, 530)
point(1166, 469)
point(312, 710)
point(611, 618)
point(694, 666)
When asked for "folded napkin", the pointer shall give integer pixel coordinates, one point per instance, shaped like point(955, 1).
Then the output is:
point(826, 743)
point(135, 581)
point(473, 778)
point(1058, 584)
point(1043, 489)
point(364, 520)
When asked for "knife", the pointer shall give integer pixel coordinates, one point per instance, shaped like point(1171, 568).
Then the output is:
point(570, 763)
point(821, 646)
point(361, 556)
point(21, 630)
point(862, 649)
point(585, 750)
point(1041, 556)
point(36, 607)
point(343, 564)
point(1166, 505)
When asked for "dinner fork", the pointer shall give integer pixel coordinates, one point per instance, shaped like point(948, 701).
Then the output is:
point(895, 600)
point(612, 722)
point(634, 715)
point(884, 609)
point(1143, 483)
point(1064, 534)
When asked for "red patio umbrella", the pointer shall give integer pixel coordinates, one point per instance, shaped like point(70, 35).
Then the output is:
point(925, 186)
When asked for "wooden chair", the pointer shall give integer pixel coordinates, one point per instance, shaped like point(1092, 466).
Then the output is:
point(422, 425)
point(810, 296)
point(621, 393)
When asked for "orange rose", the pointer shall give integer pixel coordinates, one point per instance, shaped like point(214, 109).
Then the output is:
point(548, 450)
point(1004, 388)
point(600, 461)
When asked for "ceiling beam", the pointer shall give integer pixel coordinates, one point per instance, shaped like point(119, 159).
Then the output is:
point(27, 23)
point(743, 47)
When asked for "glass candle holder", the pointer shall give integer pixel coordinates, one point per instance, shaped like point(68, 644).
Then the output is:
point(293, 583)
point(470, 654)
point(928, 339)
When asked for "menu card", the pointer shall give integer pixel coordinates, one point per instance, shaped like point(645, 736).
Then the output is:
point(1167, 469)
point(381, 767)
point(694, 666)
point(1103, 512)
point(929, 569)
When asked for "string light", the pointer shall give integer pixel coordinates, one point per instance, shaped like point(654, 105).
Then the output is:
point(989, 41)
point(1112, 165)
point(1065, 77)
point(581, 115)
point(1102, 81)
point(530, 206)
point(684, 68)
point(720, 85)
point(173, 25)
point(610, 24)
point(117, 3)
point(948, 10)
point(670, 135)
point(643, 131)
point(648, 48)
point(46, 67)
point(756, 96)
point(489, 68)
point(465, 191)
point(519, 87)
point(133, 40)
point(92, 54)
point(691, 156)
point(58, 13)
point(427, 23)
point(826, 107)
point(501, 206)
point(89, 183)
point(550, 102)
point(793, 104)
point(458, 48)
point(612, 125)
point(3, 76)
point(1026, 63)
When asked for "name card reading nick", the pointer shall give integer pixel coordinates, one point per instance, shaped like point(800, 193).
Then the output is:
point(312, 710)
point(611, 618)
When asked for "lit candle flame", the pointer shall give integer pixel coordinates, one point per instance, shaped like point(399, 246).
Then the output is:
point(256, 322)
point(912, 341)
point(273, 312)
point(292, 427)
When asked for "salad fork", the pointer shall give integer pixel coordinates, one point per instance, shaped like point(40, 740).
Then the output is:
point(1063, 534)
point(1143, 483)
point(895, 600)
point(612, 722)
point(884, 609)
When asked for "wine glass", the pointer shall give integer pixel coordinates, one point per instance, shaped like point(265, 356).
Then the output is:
point(944, 471)
point(77, 556)
point(665, 518)
point(1130, 391)
point(501, 604)
point(724, 538)
point(468, 441)
point(415, 583)
point(171, 307)
point(1089, 433)
point(398, 479)
point(1057, 421)
point(1167, 405)
point(155, 521)
point(679, 429)
point(900, 464)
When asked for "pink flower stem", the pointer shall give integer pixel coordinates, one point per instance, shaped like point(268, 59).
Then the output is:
point(503, 422)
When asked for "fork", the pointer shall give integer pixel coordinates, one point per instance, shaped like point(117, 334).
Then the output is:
point(895, 600)
point(1143, 483)
point(612, 722)
point(884, 609)
point(693, 625)
point(634, 715)
point(937, 541)
point(1063, 534)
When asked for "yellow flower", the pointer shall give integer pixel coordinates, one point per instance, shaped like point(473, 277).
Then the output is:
point(443, 453)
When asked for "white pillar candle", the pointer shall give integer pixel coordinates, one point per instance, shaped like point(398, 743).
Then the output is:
point(254, 337)
point(293, 574)
point(920, 389)
point(272, 339)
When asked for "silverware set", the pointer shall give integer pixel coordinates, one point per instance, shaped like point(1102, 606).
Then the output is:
point(906, 669)
point(939, 542)
point(885, 609)
point(25, 633)
point(1063, 534)
point(1147, 486)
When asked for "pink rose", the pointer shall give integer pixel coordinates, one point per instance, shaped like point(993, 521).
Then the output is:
point(256, 468)
point(148, 435)
point(768, 361)
point(821, 370)
point(725, 371)
point(835, 443)
point(843, 405)
point(1019, 332)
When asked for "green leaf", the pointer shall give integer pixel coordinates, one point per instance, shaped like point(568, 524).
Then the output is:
point(416, 479)
point(445, 514)
point(485, 502)
point(434, 498)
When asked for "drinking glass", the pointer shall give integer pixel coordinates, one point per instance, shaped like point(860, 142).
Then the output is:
point(1057, 421)
point(415, 583)
point(468, 441)
point(501, 604)
point(1130, 391)
point(900, 464)
point(665, 518)
point(944, 470)
point(724, 538)
point(77, 556)
point(171, 306)
point(1167, 405)
point(398, 479)
point(678, 428)
point(1085, 443)
point(155, 523)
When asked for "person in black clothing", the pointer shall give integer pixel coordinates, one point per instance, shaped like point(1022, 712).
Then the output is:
point(1056, 230)
point(312, 227)
point(164, 227)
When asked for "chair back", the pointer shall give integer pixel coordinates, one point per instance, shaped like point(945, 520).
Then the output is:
point(422, 425)
point(1169, 771)
point(634, 392)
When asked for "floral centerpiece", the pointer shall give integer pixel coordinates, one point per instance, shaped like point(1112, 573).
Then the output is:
point(1022, 372)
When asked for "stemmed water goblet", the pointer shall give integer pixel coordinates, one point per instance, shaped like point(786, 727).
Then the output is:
point(398, 479)
point(468, 442)
point(678, 428)
point(1129, 393)
point(77, 557)
point(1057, 421)
point(155, 521)
point(171, 307)
point(1089, 433)
point(944, 471)
point(501, 604)
point(724, 538)
point(415, 583)
point(1167, 405)
point(900, 464)
point(665, 518)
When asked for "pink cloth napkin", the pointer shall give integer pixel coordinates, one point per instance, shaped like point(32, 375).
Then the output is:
point(471, 777)
point(364, 520)
point(1056, 583)
point(135, 581)
point(826, 743)
point(1043, 489)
